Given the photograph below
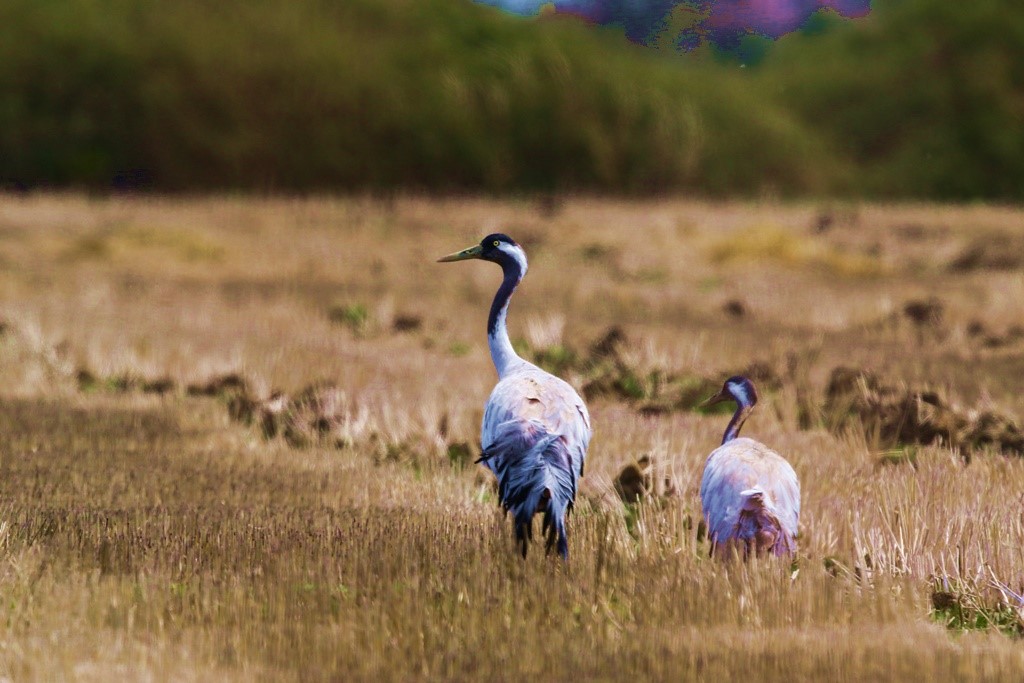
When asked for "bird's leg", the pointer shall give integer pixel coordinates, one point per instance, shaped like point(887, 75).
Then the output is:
point(542, 504)
point(524, 535)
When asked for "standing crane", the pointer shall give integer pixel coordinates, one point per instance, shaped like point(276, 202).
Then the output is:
point(535, 428)
point(749, 494)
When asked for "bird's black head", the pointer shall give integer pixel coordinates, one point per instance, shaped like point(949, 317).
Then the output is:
point(497, 248)
point(501, 249)
point(736, 388)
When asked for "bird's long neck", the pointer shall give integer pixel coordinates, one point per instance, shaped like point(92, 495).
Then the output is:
point(738, 418)
point(502, 353)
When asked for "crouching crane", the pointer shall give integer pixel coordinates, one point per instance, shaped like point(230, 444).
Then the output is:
point(749, 494)
point(536, 428)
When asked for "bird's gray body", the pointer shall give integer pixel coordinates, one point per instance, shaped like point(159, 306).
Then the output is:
point(535, 435)
point(528, 404)
point(535, 429)
point(750, 496)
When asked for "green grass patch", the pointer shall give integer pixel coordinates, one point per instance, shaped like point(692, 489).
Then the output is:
point(355, 316)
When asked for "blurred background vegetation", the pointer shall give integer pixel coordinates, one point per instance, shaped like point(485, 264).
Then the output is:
point(921, 99)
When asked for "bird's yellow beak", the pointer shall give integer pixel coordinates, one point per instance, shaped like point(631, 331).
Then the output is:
point(720, 397)
point(472, 252)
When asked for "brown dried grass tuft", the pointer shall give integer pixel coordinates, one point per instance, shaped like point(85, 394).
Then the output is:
point(642, 479)
point(893, 416)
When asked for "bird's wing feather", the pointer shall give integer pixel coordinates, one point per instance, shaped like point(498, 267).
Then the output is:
point(760, 527)
point(534, 437)
point(527, 404)
point(740, 465)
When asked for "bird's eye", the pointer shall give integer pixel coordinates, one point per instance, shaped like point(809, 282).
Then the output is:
point(497, 242)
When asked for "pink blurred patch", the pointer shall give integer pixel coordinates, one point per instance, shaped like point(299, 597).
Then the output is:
point(776, 17)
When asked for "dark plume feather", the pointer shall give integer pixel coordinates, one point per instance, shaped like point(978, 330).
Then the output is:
point(539, 480)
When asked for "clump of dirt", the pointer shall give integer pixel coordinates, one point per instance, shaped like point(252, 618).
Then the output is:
point(355, 316)
point(272, 414)
point(639, 480)
point(633, 481)
point(828, 218)
point(460, 454)
point(226, 385)
point(407, 323)
point(86, 380)
point(320, 415)
point(925, 313)
point(734, 308)
point(315, 416)
point(763, 374)
point(269, 414)
point(606, 369)
point(981, 334)
point(896, 415)
point(968, 604)
point(160, 385)
point(996, 430)
point(824, 222)
point(927, 317)
point(242, 408)
point(123, 383)
point(411, 452)
point(943, 600)
point(610, 344)
point(990, 252)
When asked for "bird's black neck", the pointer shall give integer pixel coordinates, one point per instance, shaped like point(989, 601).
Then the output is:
point(502, 352)
point(499, 307)
point(736, 423)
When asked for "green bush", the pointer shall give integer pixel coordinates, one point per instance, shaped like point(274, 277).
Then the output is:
point(924, 98)
point(423, 94)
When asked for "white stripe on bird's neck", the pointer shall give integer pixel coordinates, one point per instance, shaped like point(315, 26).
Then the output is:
point(502, 352)
point(739, 392)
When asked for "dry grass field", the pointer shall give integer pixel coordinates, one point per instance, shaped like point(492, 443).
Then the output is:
point(145, 534)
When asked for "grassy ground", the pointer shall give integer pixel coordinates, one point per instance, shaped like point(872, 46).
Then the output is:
point(147, 536)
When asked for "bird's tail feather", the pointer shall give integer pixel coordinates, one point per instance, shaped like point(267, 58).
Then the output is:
point(542, 480)
point(759, 526)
